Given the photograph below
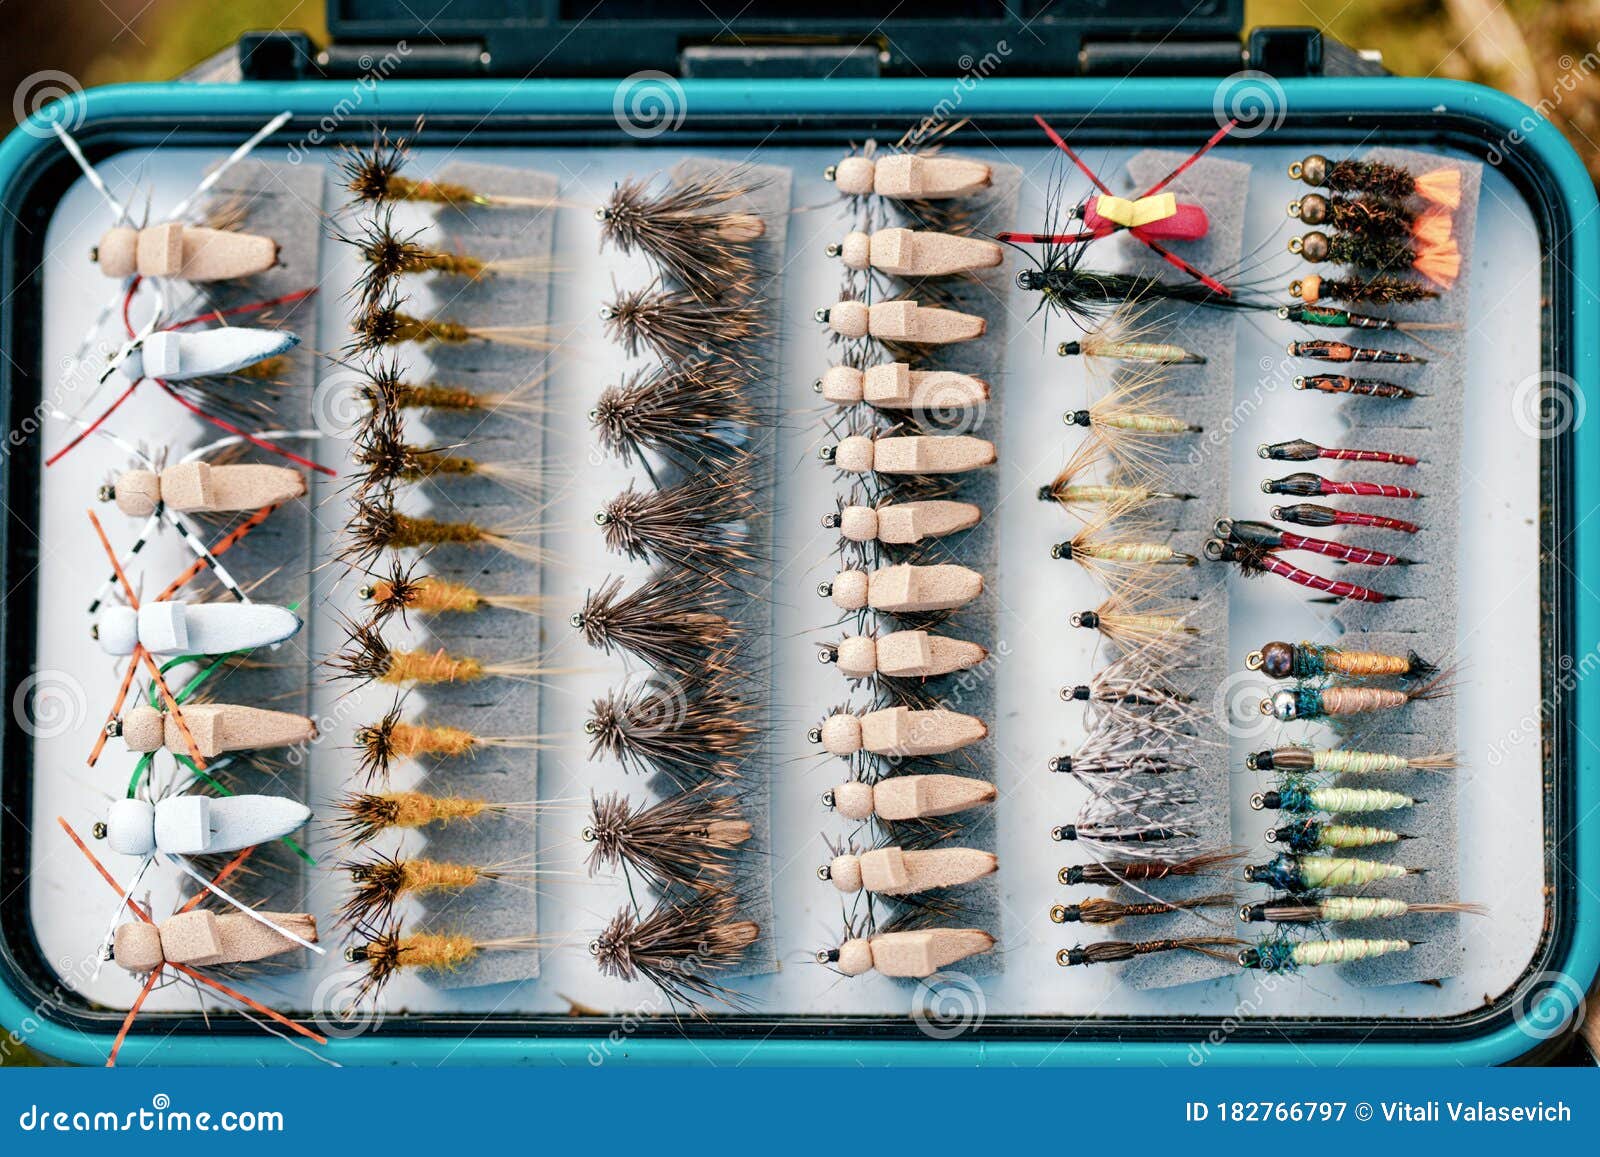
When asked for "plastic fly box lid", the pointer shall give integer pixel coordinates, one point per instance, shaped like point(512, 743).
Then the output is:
point(1195, 584)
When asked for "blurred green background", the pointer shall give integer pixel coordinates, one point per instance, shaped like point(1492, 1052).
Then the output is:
point(1544, 52)
point(1533, 49)
point(109, 41)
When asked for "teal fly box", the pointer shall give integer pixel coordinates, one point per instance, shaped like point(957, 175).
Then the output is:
point(488, 462)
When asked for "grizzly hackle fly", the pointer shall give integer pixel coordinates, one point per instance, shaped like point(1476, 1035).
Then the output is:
point(688, 230)
point(687, 841)
point(689, 734)
point(700, 524)
point(679, 947)
point(677, 623)
point(692, 415)
point(677, 326)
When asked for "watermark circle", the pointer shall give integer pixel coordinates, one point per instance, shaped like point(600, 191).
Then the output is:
point(45, 99)
point(1547, 405)
point(339, 405)
point(648, 104)
point(339, 1009)
point(947, 1005)
point(1549, 1005)
point(1236, 706)
point(49, 704)
point(1253, 101)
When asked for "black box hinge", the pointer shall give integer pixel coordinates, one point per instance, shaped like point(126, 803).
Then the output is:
point(1167, 58)
point(734, 38)
point(406, 60)
point(803, 61)
point(616, 39)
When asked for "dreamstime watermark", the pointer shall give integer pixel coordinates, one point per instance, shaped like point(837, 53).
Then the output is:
point(323, 725)
point(947, 1005)
point(374, 70)
point(1569, 673)
point(1253, 101)
point(690, 969)
point(75, 972)
point(961, 685)
point(657, 705)
point(924, 728)
point(158, 1117)
point(1276, 373)
point(648, 104)
point(1263, 984)
point(49, 704)
point(974, 71)
point(1236, 706)
point(628, 1024)
point(1574, 71)
point(1547, 405)
point(341, 1011)
point(339, 405)
point(950, 408)
point(45, 99)
point(1549, 1005)
point(77, 372)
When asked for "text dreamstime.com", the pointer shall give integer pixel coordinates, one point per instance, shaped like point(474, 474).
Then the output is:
point(158, 1117)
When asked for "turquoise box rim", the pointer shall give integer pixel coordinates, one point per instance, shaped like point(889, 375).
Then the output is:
point(1513, 125)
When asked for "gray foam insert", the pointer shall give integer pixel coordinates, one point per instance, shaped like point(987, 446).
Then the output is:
point(1423, 620)
point(284, 202)
point(970, 692)
point(1198, 465)
point(768, 197)
point(491, 707)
